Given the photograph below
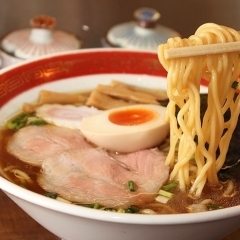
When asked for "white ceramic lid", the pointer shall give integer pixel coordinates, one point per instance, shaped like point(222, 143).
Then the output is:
point(39, 40)
point(144, 33)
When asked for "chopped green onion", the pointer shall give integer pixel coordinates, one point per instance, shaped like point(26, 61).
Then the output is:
point(235, 84)
point(38, 122)
point(165, 193)
point(93, 205)
point(21, 117)
point(132, 209)
point(169, 186)
point(131, 186)
point(51, 195)
point(121, 210)
point(12, 125)
point(15, 125)
point(212, 207)
point(96, 206)
point(162, 199)
point(110, 209)
point(23, 120)
point(18, 122)
point(33, 120)
point(164, 196)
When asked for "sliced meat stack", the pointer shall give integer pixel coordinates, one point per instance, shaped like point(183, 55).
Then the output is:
point(82, 173)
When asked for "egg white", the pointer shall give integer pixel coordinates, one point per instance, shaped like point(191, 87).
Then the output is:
point(99, 130)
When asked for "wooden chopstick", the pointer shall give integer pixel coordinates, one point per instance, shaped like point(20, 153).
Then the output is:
point(202, 50)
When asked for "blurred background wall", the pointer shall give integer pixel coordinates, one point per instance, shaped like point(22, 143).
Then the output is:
point(185, 16)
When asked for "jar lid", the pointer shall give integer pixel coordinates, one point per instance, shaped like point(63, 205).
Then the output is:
point(143, 33)
point(39, 40)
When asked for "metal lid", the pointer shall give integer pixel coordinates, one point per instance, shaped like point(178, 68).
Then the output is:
point(144, 33)
point(39, 40)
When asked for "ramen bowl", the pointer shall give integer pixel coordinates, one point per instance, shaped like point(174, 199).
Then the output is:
point(83, 70)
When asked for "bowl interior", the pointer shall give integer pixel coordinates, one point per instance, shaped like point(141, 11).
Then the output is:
point(83, 70)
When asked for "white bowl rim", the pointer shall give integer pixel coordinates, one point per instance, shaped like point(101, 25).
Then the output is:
point(161, 219)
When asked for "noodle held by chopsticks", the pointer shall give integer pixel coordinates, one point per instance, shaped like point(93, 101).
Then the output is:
point(207, 140)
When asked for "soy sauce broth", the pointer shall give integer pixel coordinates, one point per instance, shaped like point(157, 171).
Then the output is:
point(178, 204)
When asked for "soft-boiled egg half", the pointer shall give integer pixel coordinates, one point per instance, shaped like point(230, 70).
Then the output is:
point(127, 129)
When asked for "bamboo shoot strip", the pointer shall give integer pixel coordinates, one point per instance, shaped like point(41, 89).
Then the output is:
point(61, 98)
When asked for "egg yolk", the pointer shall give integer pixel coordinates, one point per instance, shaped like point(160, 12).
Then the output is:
point(134, 116)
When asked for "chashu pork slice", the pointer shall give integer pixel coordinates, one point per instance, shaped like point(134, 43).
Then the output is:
point(33, 144)
point(91, 175)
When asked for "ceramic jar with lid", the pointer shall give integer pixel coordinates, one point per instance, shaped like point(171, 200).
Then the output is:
point(39, 40)
point(143, 33)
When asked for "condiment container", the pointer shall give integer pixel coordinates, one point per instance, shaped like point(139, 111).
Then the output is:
point(143, 33)
point(39, 40)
